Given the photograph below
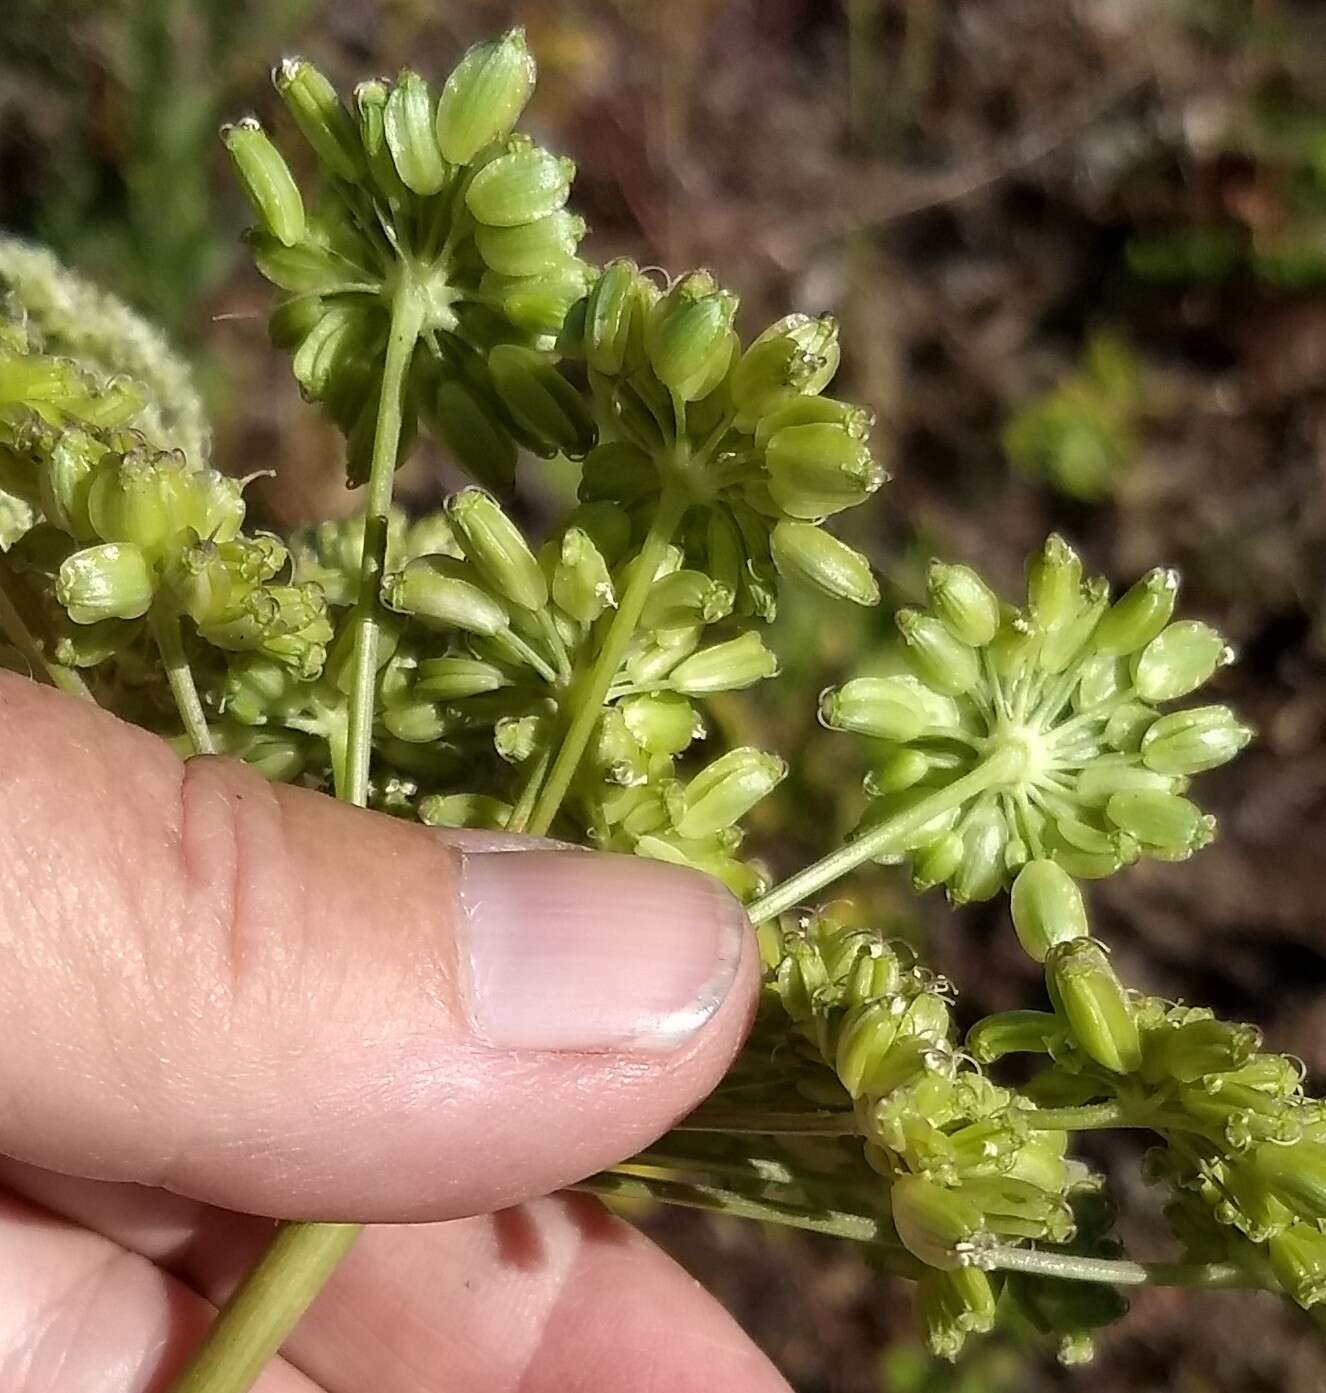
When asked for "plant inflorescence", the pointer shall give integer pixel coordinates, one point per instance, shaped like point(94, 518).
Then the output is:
point(450, 669)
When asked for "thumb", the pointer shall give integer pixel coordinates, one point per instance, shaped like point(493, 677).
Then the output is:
point(262, 998)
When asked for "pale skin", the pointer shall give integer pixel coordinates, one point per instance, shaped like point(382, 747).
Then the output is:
point(220, 1000)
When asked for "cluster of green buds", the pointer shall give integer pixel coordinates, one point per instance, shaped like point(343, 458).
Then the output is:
point(494, 647)
point(969, 1172)
point(1243, 1149)
point(1039, 732)
point(432, 216)
point(740, 437)
point(40, 395)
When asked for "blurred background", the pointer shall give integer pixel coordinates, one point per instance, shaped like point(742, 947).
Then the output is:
point(1078, 248)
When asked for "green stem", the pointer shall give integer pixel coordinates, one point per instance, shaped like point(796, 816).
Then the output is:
point(265, 1306)
point(1090, 1117)
point(276, 1293)
point(1116, 1272)
point(770, 1124)
point(839, 1223)
point(407, 317)
point(165, 622)
point(999, 767)
point(590, 693)
point(520, 814)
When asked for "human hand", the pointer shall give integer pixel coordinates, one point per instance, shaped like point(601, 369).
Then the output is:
point(223, 998)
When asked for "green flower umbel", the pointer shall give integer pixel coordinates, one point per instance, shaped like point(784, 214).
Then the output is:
point(425, 196)
point(1039, 732)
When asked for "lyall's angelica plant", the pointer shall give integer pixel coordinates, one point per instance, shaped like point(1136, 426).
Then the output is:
point(450, 669)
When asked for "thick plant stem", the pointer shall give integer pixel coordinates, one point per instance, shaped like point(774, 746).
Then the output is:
point(407, 316)
point(277, 1292)
point(265, 1306)
point(889, 835)
point(593, 689)
point(165, 624)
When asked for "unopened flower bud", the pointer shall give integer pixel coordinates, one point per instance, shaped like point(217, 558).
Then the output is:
point(687, 333)
point(1014, 1032)
point(1138, 615)
point(455, 677)
point(532, 248)
point(941, 661)
point(722, 793)
point(1197, 1049)
point(898, 770)
point(1054, 584)
point(1019, 1208)
point(484, 96)
point(1298, 1259)
point(796, 356)
point(1047, 908)
point(1295, 1176)
point(815, 411)
point(303, 269)
point(963, 602)
point(408, 128)
point(371, 105)
point(685, 598)
point(112, 581)
point(443, 594)
point(614, 316)
point(1189, 742)
point(341, 338)
point(1063, 645)
point(498, 551)
point(141, 498)
point(817, 470)
point(322, 120)
point(519, 738)
point(951, 1306)
point(541, 400)
point(809, 553)
point(866, 1036)
point(1178, 661)
point(518, 187)
point(464, 810)
point(416, 722)
point(210, 580)
point(581, 583)
point(936, 1225)
point(937, 862)
point(980, 872)
point(897, 708)
point(619, 472)
point(267, 180)
point(66, 482)
point(539, 304)
point(470, 425)
point(724, 667)
point(1165, 822)
point(1127, 726)
point(1087, 992)
point(663, 723)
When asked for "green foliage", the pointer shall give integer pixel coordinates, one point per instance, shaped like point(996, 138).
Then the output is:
point(1081, 436)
